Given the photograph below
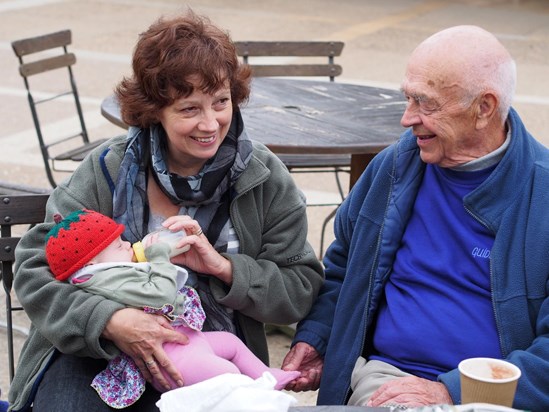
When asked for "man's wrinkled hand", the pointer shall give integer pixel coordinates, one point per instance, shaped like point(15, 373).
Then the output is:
point(411, 391)
point(304, 358)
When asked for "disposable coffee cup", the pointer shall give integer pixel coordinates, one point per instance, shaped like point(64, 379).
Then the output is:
point(488, 380)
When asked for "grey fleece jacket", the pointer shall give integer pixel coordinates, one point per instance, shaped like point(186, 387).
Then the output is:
point(276, 274)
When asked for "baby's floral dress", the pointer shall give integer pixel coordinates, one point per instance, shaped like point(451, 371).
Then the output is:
point(121, 384)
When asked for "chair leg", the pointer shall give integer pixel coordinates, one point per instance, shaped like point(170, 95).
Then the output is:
point(49, 174)
point(339, 185)
point(336, 170)
point(323, 231)
point(9, 321)
point(332, 213)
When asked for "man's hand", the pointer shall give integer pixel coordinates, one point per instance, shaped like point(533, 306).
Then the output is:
point(140, 336)
point(411, 391)
point(304, 358)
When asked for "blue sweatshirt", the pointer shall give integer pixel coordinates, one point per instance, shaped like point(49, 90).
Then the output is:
point(441, 270)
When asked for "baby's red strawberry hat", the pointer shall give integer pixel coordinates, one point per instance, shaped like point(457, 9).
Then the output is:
point(77, 239)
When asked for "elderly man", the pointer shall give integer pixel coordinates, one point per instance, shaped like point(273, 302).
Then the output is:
point(442, 247)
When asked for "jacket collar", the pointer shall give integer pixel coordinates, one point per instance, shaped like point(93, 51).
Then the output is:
point(498, 192)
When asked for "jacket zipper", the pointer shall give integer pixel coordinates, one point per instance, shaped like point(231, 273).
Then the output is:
point(501, 347)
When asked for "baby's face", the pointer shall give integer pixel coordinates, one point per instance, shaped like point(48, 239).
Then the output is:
point(118, 251)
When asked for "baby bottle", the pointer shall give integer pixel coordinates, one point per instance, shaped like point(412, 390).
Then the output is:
point(165, 236)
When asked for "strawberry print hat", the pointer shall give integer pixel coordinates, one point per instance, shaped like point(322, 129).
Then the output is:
point(77, 239)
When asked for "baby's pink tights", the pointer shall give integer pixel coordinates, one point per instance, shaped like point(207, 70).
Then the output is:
point(210, 354)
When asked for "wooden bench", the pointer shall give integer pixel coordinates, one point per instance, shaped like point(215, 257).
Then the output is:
point(17, 214)
point(9, 188)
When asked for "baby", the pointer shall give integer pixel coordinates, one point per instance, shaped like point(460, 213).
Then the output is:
point(86, 249)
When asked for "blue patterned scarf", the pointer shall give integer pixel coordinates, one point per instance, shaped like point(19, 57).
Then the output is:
point(209, 190)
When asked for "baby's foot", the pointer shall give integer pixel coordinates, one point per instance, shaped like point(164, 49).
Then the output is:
point(283, 377)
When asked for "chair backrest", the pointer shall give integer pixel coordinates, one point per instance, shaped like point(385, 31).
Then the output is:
point(38, 55)
point(15, 211)
point(292, 49)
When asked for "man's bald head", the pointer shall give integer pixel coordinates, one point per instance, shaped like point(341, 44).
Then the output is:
point(472, 57)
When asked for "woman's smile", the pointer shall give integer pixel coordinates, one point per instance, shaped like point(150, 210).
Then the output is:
point(203, 140)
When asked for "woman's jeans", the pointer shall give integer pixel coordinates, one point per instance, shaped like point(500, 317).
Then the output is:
point(66, 387)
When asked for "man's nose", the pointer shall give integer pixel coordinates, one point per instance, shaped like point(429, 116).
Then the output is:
point(410, 116)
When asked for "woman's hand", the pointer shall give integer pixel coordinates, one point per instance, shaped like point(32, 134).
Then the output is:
point(306, 359)
point(201, 257)
point(140, 336)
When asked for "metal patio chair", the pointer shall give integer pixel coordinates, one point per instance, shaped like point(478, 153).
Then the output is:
point(39, 55)
point(293, 59)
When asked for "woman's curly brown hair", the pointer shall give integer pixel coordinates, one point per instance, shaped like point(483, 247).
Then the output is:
point(167, 55)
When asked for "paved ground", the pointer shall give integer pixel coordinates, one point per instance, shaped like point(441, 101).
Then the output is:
point(378, 36)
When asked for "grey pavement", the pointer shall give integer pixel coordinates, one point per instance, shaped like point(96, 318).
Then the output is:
point(378, 34)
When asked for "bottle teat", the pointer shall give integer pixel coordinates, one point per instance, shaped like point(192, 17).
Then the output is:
point(163, 235)
point(139, 252)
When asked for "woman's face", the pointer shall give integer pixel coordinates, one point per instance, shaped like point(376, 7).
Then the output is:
point(196, 126)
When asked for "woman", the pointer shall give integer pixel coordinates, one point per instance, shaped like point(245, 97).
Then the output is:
point(187, 153)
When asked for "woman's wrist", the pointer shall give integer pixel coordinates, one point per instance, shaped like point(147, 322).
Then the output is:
point(226, 271)
point(108, 331)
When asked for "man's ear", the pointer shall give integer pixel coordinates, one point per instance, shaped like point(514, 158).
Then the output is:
point(486, 109)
